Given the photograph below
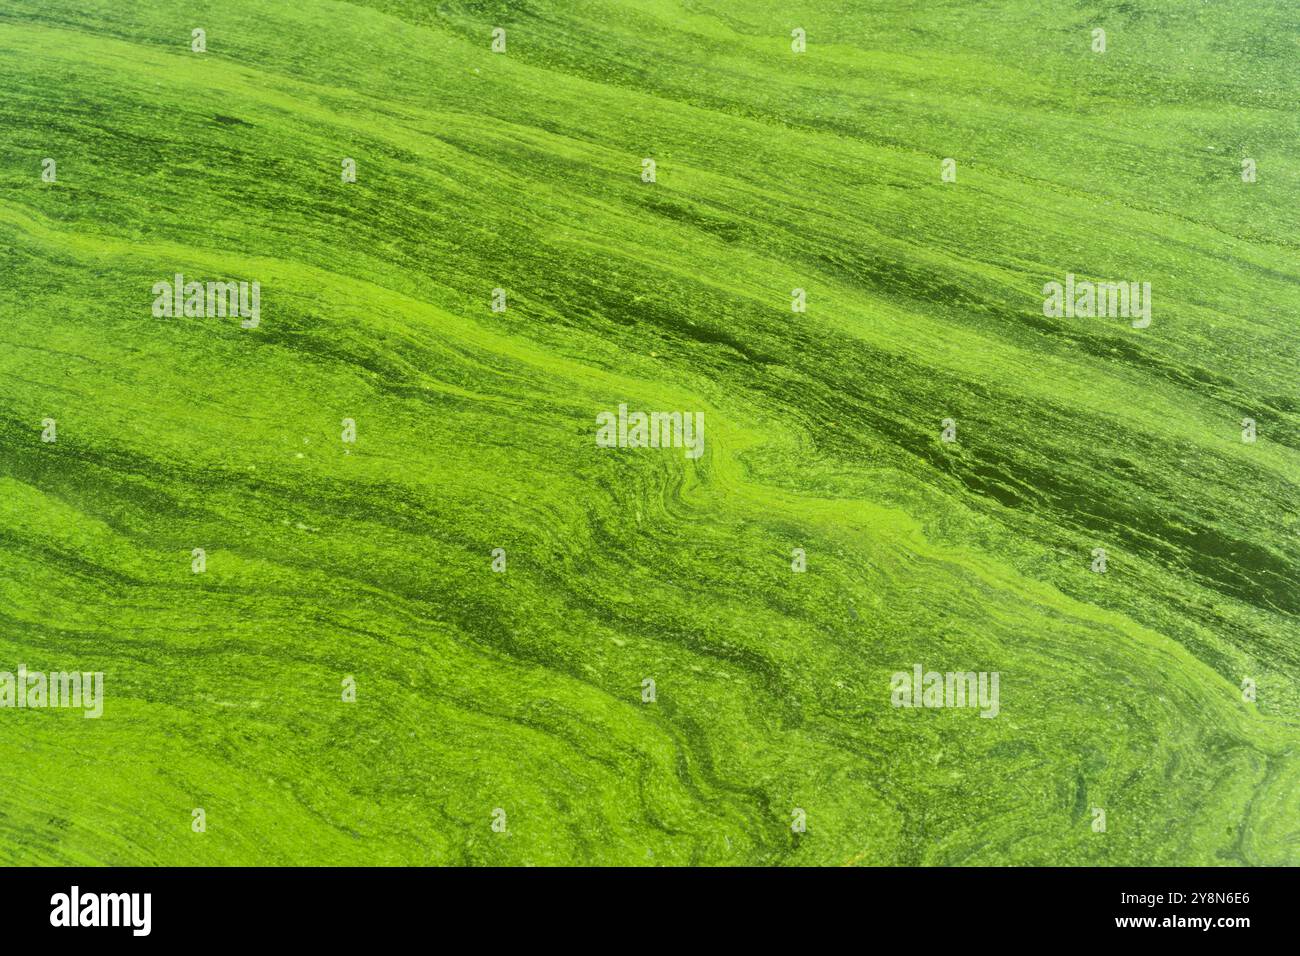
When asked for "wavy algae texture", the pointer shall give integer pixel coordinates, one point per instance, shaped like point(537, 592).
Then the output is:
point(374, 574)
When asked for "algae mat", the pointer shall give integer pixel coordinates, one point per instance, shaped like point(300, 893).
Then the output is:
point(659, 433)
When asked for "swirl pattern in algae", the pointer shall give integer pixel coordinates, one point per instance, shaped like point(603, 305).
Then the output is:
point(503, 716)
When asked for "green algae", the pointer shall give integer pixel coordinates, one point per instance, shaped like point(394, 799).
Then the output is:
point(524, 690)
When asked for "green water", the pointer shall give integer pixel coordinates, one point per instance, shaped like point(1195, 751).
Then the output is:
point(522, 690)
